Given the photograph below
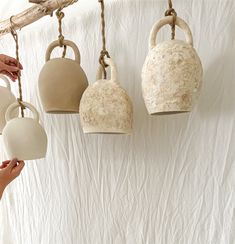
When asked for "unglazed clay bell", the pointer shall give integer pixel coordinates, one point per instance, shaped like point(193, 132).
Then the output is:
point(105, 106)
point(172, 72)
point(24, 138)
point(62, 82)
point(6, 99)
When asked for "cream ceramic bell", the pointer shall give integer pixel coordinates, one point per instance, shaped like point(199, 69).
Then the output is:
point(172, 72)
point(105, 106)
point(62, 82)
point(6, 99)
point(24, 138)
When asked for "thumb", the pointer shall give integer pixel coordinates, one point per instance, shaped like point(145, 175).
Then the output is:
point(16, 170)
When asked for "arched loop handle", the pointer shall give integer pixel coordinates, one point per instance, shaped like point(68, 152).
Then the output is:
point(168, 20)
point(13, 106)
point(66, 43)
point(113, 67)
point(7, 82)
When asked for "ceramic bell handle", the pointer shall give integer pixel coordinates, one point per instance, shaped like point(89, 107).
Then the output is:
point(13, 106)
point(113, 67)
point(5, 79)
point(168, 20)
point(67, 43)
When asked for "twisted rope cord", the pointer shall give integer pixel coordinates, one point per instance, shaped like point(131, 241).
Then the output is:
point(171, 12)
point(15, 36)
point(104, 51)
point(60, 15)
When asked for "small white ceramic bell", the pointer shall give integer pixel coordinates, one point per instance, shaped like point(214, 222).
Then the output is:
point(6, 99)
point(24, 138)
point(62, 81)
point(172, 72)
point(105, 106)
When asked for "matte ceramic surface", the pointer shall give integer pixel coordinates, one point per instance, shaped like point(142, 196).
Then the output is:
point(62, 82)
point(24, 138)
point(172, 73)
point(105, 106)
point(6, 99)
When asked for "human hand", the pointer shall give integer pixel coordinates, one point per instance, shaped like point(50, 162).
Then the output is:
point(10, 66)
point(9, 170)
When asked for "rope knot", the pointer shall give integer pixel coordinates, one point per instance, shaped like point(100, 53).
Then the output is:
point(59, 14)
point(61, 40)
point(104, 53)
point(170, 12)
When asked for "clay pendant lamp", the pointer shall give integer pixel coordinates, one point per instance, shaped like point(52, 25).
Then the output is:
point(6, 99)
point(24, 138)
point(62, 81)
point(172, 72)
point(105, 106)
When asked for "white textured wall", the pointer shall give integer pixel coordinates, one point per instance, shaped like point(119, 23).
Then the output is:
point(172, 181)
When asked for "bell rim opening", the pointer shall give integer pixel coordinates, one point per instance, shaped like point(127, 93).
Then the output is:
point(62, 111)
point(171, 112)
point(99, 131)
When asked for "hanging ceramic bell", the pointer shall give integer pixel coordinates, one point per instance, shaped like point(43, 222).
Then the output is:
point(172, 72)
point(105, 106)
point(62, 82)
point(24, 138)
point(6, 99)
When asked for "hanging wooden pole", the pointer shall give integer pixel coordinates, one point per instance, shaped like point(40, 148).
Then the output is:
point(36, 12)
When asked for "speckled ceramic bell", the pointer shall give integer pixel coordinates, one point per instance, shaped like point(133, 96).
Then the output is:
point(62, 82)
point(6, 99)
point(24, 138)
point(172, 72)
point(105, 106)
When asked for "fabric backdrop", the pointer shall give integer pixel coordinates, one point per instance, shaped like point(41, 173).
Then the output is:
point(172, 181)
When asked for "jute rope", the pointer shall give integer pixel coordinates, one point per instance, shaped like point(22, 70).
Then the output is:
point(60, 16)
point(104, 51)
point(15, 36)
point(171, 12)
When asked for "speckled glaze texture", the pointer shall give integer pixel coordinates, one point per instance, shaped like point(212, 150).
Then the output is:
point(106, 107)
point(171, 77)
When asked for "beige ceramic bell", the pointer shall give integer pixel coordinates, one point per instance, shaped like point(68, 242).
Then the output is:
point(172, 72)
point(6, 99)
point(24, 138)
point(105, 106)
point(62, 82)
